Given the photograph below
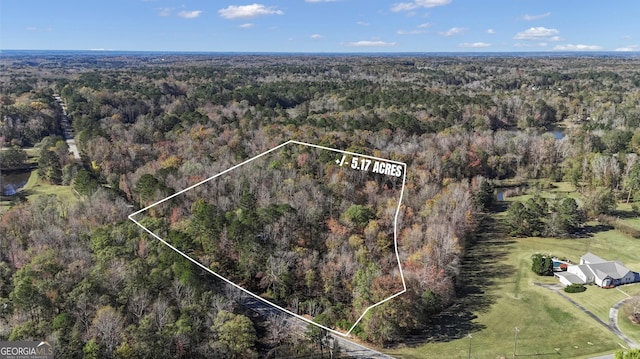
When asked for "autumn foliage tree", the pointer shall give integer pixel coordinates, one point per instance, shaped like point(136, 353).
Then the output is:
point(319, 243)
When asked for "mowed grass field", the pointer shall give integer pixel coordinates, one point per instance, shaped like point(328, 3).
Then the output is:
point(34, 188)
point(633, 222)
point(506, 297)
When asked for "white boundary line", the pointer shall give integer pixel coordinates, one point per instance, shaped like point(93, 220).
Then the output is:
point(395, 232)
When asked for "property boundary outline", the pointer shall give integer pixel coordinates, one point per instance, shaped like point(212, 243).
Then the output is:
point(202, 266)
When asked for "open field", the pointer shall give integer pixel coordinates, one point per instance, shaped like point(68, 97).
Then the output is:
point(34, 188)
point(599, 300)
point(506, 297)
point(546, 189)
point(633, 222)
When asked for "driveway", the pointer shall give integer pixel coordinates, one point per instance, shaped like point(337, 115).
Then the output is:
point(612, 326)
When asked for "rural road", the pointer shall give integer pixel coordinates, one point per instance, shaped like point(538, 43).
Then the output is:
point(67, 130)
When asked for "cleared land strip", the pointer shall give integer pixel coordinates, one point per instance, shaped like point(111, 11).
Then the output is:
point(612, 326)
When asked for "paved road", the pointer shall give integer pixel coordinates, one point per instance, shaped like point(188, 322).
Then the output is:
point(67, 130)
point(612, 326)
point(347, 347)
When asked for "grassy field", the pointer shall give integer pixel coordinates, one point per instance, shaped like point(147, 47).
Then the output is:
point(504, 296)
point(548, 190)
point(633, 222)
point(629, 329)
point(34, 188)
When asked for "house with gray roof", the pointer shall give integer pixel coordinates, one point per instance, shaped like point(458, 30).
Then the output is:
point(590, 258)
point(593, 269)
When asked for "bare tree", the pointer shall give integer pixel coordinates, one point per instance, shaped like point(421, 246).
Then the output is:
point(139, 302)
point(278, 329)
point(108, 327)
point(632, 308)
point(161, 312)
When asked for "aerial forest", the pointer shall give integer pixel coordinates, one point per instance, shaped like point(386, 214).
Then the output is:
point(292, 227)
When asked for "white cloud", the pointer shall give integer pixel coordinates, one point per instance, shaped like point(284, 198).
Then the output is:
point(474, 44)
point(164, 11)
point(528, 17)
point(316, 36)
point(416, 4)
point(536, 33)
point(579, 47)
point(530, 44)
point(366, 43)
point(629, 48)
point(248, 11)
point(32, 28)
point(247, 25)
point(452, 31)
point(491, 31)
point(410, 32)
point(420, 29)
point(190, 14)
point(362, 23)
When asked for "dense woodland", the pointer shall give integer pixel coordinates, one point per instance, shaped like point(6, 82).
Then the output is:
point(312, 237)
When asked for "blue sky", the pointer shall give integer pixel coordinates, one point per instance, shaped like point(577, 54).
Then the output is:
point(321, 25)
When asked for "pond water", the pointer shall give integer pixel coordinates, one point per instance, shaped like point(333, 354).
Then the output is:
point(11, 183)
point(558, 133)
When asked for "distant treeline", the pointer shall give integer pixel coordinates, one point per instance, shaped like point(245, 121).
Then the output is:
point(83, 276)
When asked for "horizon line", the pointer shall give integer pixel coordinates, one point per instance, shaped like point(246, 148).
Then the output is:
point(479, 52)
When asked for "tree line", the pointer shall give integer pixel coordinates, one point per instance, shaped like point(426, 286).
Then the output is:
point(147, 130)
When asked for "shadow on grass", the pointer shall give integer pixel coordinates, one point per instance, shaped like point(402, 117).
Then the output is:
point(590, 230)
point(15, 199)
point(500, 206)
point(625, 214)
point(482, 267)
point(538, 354)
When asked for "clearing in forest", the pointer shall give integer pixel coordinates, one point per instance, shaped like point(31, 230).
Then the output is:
point(308, 229)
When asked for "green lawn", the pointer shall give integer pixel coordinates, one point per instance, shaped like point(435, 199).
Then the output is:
point(632, 222)
point(629, 329)
point(599, 301)
point(549, 190)
point(548, 323)
point(34, 188)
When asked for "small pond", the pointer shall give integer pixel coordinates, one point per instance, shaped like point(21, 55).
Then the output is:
point(11, 183)
point(558, 133)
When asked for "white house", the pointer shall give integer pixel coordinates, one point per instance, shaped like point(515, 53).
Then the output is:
point(593, 269)
point(590, 258)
